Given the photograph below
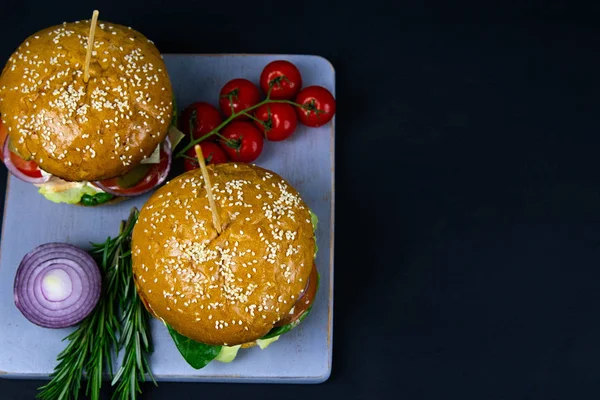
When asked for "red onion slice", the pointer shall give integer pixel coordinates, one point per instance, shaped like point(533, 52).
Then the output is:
point(132, 192)
point(15, 171)
point(57, 285)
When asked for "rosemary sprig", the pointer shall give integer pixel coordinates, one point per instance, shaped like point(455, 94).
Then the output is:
point(118, 322)
point(66, 378)
point(135, 338)
point(90, 344)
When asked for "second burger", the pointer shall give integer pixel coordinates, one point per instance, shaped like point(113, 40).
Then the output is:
point(88, 142)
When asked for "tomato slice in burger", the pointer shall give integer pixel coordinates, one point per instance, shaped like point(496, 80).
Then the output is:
point(141, 179)
point(29, 168)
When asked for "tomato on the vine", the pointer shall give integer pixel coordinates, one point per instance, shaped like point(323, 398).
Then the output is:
point(241, 141)
point(212, 153)
point(318, 106)
point(237, 95)
point(279, 121)
point(283, 79)
point(200, 118)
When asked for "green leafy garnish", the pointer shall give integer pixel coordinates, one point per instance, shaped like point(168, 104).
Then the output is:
point(280, 330)
point(95, 199)
point(197, 354)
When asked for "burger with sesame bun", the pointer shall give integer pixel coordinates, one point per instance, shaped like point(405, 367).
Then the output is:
point(243, 287)
point(86, 142)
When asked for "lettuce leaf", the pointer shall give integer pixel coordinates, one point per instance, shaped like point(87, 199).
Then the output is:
point(69, 196)
point(227, 353)
point(315, 222)
point(264, 343)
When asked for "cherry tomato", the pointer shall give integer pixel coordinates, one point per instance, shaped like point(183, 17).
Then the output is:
point(319, 106)
point(200, 118)
point(212, 153)
point(283, 79)
point(149, 180)
point(280, 121)
point(237, 95)
point(241, 141)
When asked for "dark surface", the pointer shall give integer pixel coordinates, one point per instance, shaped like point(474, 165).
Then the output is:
point(468, 200)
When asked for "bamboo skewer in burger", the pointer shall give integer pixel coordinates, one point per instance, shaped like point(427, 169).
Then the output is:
point(88, 55)
point(211, 200)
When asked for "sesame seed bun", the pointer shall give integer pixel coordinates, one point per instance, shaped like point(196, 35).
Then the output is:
point(86, 131)
point(231, 288)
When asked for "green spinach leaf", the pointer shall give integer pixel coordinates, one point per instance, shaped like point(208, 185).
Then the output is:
point(98, 198)
point(280, 330)
point(197, 354)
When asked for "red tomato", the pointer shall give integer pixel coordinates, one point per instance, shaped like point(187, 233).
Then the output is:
point(148, 181)
point(29, 168)
point(200, 118)
point(212, 153)
point(283, 79)
point(237, 95)
point(318, 106)
point(241, 141)
point(280, 121)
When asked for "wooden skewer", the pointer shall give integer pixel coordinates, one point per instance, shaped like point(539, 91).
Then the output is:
point(211, 200)
point(90, 45)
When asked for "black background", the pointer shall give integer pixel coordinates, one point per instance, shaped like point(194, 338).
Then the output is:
point(467, 198)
